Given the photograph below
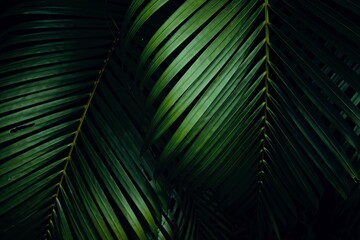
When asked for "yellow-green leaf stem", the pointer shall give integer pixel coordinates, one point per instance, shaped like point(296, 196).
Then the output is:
point(81, 121)
point(266, 93)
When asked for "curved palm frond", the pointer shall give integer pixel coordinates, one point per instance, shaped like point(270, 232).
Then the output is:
point(244, 92)
point(53, 171)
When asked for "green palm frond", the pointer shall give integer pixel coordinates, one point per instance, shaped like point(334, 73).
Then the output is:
point(233, 82)
point(179, 120)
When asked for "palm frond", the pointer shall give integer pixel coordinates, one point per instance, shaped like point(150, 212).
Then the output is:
point(159, 119)
point(231, 80)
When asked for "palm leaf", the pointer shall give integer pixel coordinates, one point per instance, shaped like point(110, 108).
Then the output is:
point(45, 99)
point(179, 120)
point(234, 85)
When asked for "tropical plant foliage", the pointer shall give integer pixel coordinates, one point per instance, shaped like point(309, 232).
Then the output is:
point(206, 119)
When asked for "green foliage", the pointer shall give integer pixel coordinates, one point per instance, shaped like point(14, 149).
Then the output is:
point(180, 120)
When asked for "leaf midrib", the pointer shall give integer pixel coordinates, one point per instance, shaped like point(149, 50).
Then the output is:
point(77, 132)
